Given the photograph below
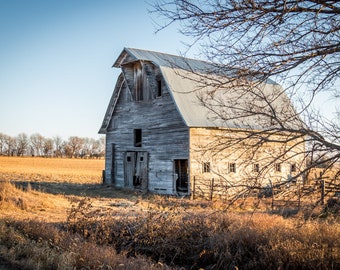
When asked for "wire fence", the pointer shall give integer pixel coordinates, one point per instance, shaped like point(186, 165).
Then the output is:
point(288, 195)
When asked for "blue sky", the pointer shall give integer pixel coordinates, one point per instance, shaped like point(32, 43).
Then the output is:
point(56, 56)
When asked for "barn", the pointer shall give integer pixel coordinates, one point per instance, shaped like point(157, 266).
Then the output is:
point(157, 128)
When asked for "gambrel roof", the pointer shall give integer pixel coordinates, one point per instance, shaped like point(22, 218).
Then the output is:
point(190, 81)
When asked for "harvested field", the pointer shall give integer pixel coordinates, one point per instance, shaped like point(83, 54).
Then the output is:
point(61, 170)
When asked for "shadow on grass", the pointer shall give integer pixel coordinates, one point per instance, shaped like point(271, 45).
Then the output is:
point(72, 189)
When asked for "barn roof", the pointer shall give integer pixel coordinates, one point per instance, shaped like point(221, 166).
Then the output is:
point(162, 60)
point(189, 81)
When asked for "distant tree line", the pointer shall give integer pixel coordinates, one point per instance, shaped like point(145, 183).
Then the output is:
point(37, 145)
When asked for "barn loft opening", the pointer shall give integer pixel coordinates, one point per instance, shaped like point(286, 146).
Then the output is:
point(138, 82)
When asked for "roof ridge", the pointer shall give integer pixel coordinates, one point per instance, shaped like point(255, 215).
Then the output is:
point(169, 54)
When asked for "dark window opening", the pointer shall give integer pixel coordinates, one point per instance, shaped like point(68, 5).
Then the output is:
point(137, 137)
point(256, 167)
point(181, 174)
point(159, 88)
point(278, 167)
point(128, 159)
point(293, 167)
point(206, 167)
point(232, 167)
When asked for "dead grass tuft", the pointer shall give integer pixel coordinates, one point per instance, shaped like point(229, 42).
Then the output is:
point(11, 197)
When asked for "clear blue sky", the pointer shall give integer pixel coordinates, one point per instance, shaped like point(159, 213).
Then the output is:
point(56, 56)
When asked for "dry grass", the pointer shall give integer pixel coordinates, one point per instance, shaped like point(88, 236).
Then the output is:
point(36, 245)
point(211, 239)
point(59, 170)
point(120, 230)
point(33, 235)
point(17, 203)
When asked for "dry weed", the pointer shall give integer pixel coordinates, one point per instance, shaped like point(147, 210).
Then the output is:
point(212, 239)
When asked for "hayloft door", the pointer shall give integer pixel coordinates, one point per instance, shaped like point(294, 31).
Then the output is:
point(136, 170)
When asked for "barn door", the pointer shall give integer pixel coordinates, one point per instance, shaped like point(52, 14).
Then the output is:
point(181, 174)
point(129, 168)
point(136, 170)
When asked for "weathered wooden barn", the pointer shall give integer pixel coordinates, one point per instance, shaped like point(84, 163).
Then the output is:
point(155, 127)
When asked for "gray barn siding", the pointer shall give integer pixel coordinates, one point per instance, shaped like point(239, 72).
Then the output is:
point(164, 136)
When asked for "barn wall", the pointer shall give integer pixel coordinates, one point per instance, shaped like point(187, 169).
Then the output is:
point(164, 134)
point(204, 149)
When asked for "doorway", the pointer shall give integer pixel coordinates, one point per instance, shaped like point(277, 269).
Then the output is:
point(136, 170)
point(181, 174)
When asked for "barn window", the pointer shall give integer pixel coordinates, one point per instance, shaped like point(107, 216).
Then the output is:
point(277, 167)
point(159, 88)
point(256, 167)
point(232, 167)
point(206, 167)
point(137, 133)
point(293, 167)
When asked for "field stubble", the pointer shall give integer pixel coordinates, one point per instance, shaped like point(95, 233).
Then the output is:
point(61, 170)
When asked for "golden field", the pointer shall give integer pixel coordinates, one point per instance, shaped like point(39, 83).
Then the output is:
point(57, 215)
point(37, 169)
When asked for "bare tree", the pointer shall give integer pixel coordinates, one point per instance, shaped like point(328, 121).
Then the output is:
point(47, 147)
point(37, 143)
point(74, 146)
point(58, 146)
point(22, 143)
point(10, 145)
point(255, 42)
point(2, 143)
point(98, 148)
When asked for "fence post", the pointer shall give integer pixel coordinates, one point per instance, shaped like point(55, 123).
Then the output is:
point(322, 192)
point(103, 176)
point(299, 195)
point(193, 187)
point(212, 188)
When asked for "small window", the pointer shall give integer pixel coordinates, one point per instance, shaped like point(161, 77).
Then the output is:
point(206, 167)
point(256, 167)
point(278, 167)
point(159, 88)
point(137, 137)
point(232, 167)
point(293, 167)
point(128, 159)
